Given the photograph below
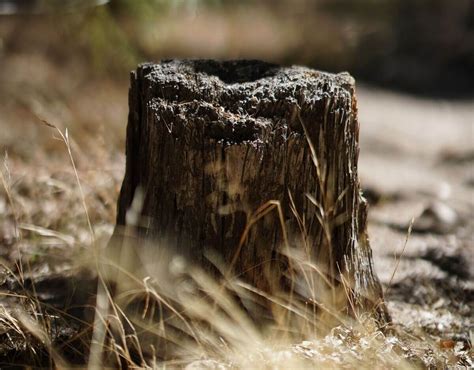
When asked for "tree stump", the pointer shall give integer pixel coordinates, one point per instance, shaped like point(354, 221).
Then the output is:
point(209, 144)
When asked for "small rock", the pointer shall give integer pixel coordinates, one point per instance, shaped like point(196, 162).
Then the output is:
point(437, 218)
point(446, 344)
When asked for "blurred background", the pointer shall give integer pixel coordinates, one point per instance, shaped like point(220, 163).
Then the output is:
point(69, 60)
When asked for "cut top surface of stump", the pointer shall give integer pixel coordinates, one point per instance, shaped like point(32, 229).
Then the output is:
point(239, 101)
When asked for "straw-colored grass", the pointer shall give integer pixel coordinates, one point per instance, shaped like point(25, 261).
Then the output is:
point(170, 314)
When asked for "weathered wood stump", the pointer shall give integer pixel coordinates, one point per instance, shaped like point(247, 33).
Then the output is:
point(209, 143)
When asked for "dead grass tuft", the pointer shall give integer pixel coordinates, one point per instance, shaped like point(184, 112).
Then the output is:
point(187, 320)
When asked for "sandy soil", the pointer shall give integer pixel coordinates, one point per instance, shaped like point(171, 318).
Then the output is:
point(417, 161)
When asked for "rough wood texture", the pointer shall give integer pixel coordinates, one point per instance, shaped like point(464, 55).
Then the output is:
point(208, 143)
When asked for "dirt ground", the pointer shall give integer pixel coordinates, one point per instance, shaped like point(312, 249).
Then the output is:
point(416, 160)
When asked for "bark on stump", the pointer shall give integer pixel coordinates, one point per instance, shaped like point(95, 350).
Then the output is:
point(208, 143)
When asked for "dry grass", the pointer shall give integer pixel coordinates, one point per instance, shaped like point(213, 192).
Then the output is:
point(169, 315)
